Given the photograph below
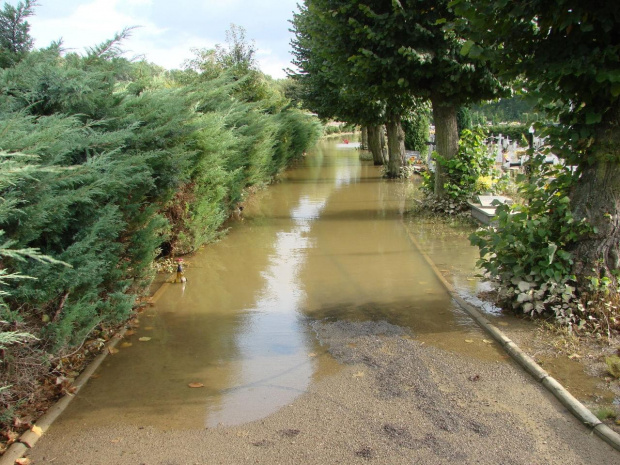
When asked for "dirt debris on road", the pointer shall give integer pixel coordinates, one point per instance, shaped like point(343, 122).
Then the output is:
point(395, 401)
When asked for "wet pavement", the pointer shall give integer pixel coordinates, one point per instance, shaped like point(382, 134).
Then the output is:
point(283, 324)
point(327, 242)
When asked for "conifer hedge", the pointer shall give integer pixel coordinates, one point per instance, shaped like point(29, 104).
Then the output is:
point(119, 159)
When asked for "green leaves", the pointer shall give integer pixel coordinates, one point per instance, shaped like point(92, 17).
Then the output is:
point(465, 49)
point(471, 49)
point(593, 118)
point(107, 160)
point(471, 172)
point(528, 252)
point(566, 54)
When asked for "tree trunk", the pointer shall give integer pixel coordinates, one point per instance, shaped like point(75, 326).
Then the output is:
point(396, 146)
point(374, 143)
point(446, 139)
point(596, 198)
point(364, 145)
point(384, 149)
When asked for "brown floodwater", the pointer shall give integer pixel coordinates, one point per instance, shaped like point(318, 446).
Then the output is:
point(330, 241)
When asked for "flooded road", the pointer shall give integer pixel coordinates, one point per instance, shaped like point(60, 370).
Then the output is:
point(319, 335)
point(327, 242)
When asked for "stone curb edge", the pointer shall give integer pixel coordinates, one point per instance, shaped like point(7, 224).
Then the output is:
point(29, 438)
point(582, 413)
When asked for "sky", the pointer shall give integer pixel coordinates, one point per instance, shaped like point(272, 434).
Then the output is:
point(168, 29)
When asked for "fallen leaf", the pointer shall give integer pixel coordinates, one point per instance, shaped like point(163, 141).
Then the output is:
point(112, 350)
point(502, 323)
point(359, 374)
point(37, 430)
point(69, 389)
point(196, 385)
point(144, 339)
point(130, 332)
point(574, 356)
point(149, 328)
point(486, 341)
point(95, 376)
point(11, 437)
point(23, 461)
point(126, 344)
point(20, 423)
point(311, 354)
point(469, 341)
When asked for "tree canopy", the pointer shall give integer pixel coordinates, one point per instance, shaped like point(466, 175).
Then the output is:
point(566, 53)
point(393, 52)
point(15, 38)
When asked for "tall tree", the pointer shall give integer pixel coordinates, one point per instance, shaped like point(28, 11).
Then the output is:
point(323, 88)
point(15, 38)
point(396, 50)
point(566, 52)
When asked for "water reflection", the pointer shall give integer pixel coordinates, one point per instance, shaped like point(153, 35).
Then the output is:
point(274, 364)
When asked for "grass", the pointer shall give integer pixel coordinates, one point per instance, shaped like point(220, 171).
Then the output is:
point(605, 413)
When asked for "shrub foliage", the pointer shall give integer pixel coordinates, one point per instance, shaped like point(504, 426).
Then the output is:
point(528, 252)
point(120, 159)
point(470, 173)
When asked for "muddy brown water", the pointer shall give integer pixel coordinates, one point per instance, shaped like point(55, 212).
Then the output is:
point(327, 242)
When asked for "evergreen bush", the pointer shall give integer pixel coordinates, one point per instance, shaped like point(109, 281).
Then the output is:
point(128, 158)
point(417, 130)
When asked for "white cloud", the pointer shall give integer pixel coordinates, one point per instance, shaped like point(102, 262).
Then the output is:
point(274, 68)
point(89, 24)
point(92, 23)
point(166, 34)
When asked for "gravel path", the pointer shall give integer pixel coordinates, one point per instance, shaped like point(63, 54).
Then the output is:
point(395, 401)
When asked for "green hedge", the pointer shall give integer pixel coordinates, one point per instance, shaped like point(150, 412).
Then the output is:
point(123, 159)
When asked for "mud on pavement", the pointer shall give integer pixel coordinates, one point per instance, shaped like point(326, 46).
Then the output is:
point(395, 401)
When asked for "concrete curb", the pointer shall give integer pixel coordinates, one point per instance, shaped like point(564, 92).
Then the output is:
point(553, 386)
point(29, 438)
point(16, 451)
